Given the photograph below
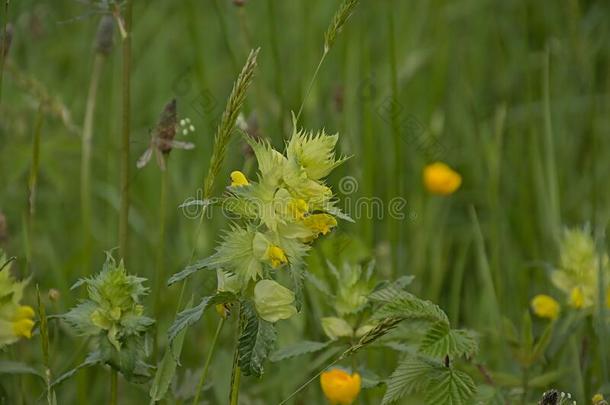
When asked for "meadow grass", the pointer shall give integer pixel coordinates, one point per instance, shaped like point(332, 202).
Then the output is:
point(514, 95)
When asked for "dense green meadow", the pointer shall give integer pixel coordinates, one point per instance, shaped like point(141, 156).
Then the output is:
point(513, 95)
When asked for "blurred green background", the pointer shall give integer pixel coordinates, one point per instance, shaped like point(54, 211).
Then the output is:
point(514, 94)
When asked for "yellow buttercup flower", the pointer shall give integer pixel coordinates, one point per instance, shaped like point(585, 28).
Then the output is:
point(238, 179)
point(577, 298)
point(320, 223)
point(23, 321)
point(545, 306)
point(276, 256)
point(340, 388)
point(441, 179)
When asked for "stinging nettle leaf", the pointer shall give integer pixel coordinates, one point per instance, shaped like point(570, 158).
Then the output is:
point(452, 387)
point(440, 341)
point(412, 375)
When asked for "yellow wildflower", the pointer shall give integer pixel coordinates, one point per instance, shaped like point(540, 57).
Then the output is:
point(238, 179)
point(441, 179)
point(597, 399)
point(545, 306)
point(298, 208)
point(320, 223)
point(340, 388)
point(276, 256)
point(23, 321)
point(577, 298)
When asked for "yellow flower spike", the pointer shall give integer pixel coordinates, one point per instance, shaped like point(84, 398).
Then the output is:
point(340, 388)
point(441, 179)
point(222, 310)
point(298, 208)
point(320, 223)
point(23, 322)
point(545, 306)
point(238, 179)
point(597, 399)
point(276, 256)
point(577, 298)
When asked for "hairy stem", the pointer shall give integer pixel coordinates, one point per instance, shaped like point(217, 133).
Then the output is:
point(114, 382)
point(85, 179)
point(236, 370)
point(208, 360)
point(160, 271)
point(126, 121)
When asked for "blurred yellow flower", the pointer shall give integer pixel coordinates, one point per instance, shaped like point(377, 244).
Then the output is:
point(340, 388)
point(298, 208)
point(238, 179)
point(276, 256)
point(577, 298)
point(597, 399)
point(441, 179)
point(23, 321)
point(545, 306)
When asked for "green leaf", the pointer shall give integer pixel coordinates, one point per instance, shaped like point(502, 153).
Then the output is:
point(452, 387)
point(191, 315)
point(167, 368)
point(256, 341)
point(543, 342)
point(16, 367)
point(92, 359)
point(297, 274)
point(412, 375)
point(400, 304)
point(298, 349)
point(440, 341)
point(190, 269)
point(544, 380)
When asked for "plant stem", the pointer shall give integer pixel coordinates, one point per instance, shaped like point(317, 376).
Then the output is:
point(160, 271)
point(313, 79)
point(85, 180)
point(126, 120)
point(208, 360)
point(33, 186)
point(4, 40)
point(114, 382)
point(236, 371)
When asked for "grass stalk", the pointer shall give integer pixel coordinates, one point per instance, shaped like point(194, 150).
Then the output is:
point(208, 361)
point(275, 53)
point(394, 231)
point(85, 180)
point(3, 42)
point(33, 187)
point(338, 22)
point(125, 134)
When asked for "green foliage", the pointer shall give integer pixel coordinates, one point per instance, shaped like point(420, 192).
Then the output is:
point(256, 341)
point(189, 316)
point(298, 349)
point(440, 341)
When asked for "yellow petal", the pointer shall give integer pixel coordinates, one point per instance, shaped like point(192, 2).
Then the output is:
point(23, 327)
point(440, 179)
point(545, 306)
point(276, 256)
point(23, 312)
point(238, 179)
point(340, 387)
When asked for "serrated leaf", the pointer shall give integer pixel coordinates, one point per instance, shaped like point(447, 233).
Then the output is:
point(412, 375)
point(167, 367)
point(400, 304)
point(189, 316)
point(451, 387)
point(16, 367)
point(256, 341)
point(297, 275)
point(298, 349)
point(440, 341)
point(92, 359)
point(189, 270)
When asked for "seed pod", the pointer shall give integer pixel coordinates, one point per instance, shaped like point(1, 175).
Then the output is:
point(54, 295)
point(105, 35)
point(239, 3)
point(166, 128)
point(5, 40)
